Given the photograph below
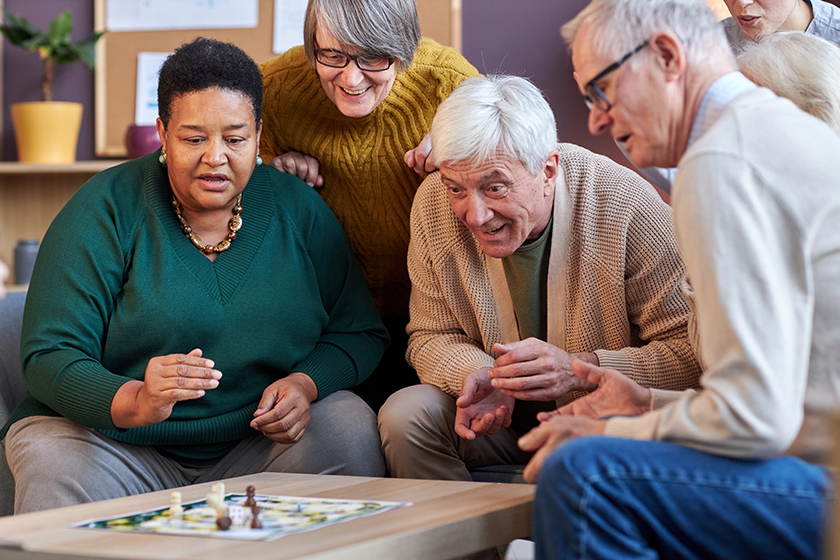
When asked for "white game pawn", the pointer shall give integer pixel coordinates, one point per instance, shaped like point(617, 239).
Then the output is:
point(219, 490)
point(216, 499)
point(176, 511)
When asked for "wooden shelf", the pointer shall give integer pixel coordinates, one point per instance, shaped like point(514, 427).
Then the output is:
point(86, 167)
point(31, 194)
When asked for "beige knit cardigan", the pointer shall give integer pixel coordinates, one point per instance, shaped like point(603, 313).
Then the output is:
point(613, 281)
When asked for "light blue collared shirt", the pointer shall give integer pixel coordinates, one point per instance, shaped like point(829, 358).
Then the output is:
point(717, 97)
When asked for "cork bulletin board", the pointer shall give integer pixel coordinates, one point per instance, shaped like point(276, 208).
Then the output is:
point(116, 59)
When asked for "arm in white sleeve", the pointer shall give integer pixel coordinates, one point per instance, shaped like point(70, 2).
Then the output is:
point(748, 269)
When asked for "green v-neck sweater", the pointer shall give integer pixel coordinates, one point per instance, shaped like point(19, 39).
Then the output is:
point(116, 283)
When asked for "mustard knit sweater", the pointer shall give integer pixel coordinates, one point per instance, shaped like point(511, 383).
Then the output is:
point(366, 182)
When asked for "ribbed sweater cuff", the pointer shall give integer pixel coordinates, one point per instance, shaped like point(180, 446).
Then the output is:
point(87, 388)
point(330, 367)
point(660, 398)
point(231, 426)
point(633, 427)
point(615, 359)
point(452, 377)
point(478, 363)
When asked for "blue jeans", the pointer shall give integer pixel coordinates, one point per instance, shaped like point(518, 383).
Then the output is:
point(601, 497)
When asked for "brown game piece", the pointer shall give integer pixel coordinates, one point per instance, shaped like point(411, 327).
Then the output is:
point(249, 500)
point(223, 523)
point(255, 517)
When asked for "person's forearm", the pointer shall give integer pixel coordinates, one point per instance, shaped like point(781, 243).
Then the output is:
point(443, 360)
point(306, 385)
point(124, 410)
point(588, 357)
point(667, 364)
point(580, 384)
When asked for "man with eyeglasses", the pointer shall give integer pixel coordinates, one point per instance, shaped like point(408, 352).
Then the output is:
point(525, 255)
point(751, 21)
point(733, 470)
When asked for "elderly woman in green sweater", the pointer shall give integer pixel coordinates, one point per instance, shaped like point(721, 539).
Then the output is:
point(340, 113)
point(193, 315)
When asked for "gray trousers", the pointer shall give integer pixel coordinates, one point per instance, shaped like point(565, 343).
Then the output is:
point(417, 428)
point(56, 462)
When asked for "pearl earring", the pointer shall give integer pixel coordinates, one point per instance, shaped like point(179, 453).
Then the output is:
point(162, 158)
point(259, 160)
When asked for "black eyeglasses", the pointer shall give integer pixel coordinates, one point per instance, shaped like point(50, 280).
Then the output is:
point(593, 95)
point(340, 59)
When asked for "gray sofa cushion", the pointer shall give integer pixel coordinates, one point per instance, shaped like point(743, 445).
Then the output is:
point(12, 388)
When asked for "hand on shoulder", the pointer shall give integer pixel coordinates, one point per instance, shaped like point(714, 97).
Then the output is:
point(301, 165)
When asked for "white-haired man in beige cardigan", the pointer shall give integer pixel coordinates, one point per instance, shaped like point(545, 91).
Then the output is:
point(525, 255)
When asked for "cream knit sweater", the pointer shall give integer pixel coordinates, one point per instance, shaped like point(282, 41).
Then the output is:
point(613, 281)
point(757, 207)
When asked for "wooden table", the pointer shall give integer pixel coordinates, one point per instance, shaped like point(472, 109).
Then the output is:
point(448, 519)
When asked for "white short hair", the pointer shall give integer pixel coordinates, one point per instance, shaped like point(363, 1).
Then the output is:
point(618, 26)
point(490, 117)
point(804, 68)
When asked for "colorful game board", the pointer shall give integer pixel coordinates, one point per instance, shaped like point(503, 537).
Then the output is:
point(279, 516)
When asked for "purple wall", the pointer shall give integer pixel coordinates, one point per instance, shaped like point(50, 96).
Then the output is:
point(520, 38)
point(523, 38)
point(22, 70)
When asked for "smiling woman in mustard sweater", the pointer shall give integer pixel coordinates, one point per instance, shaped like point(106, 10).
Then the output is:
point(340, 112)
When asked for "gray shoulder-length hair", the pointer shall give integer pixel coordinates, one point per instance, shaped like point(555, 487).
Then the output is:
point(493, 117)
point(804, 68)
point(618, 26)
point(375, 28)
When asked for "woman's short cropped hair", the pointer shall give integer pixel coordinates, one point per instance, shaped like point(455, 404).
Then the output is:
point(618, 26)
point(207, 63)
point(374, 28)
point(804, 68)
point(493, 117)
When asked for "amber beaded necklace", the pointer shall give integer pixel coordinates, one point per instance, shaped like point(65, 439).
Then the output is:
point(234, 225)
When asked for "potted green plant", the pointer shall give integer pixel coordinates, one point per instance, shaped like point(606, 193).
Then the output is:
point(48, 131)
